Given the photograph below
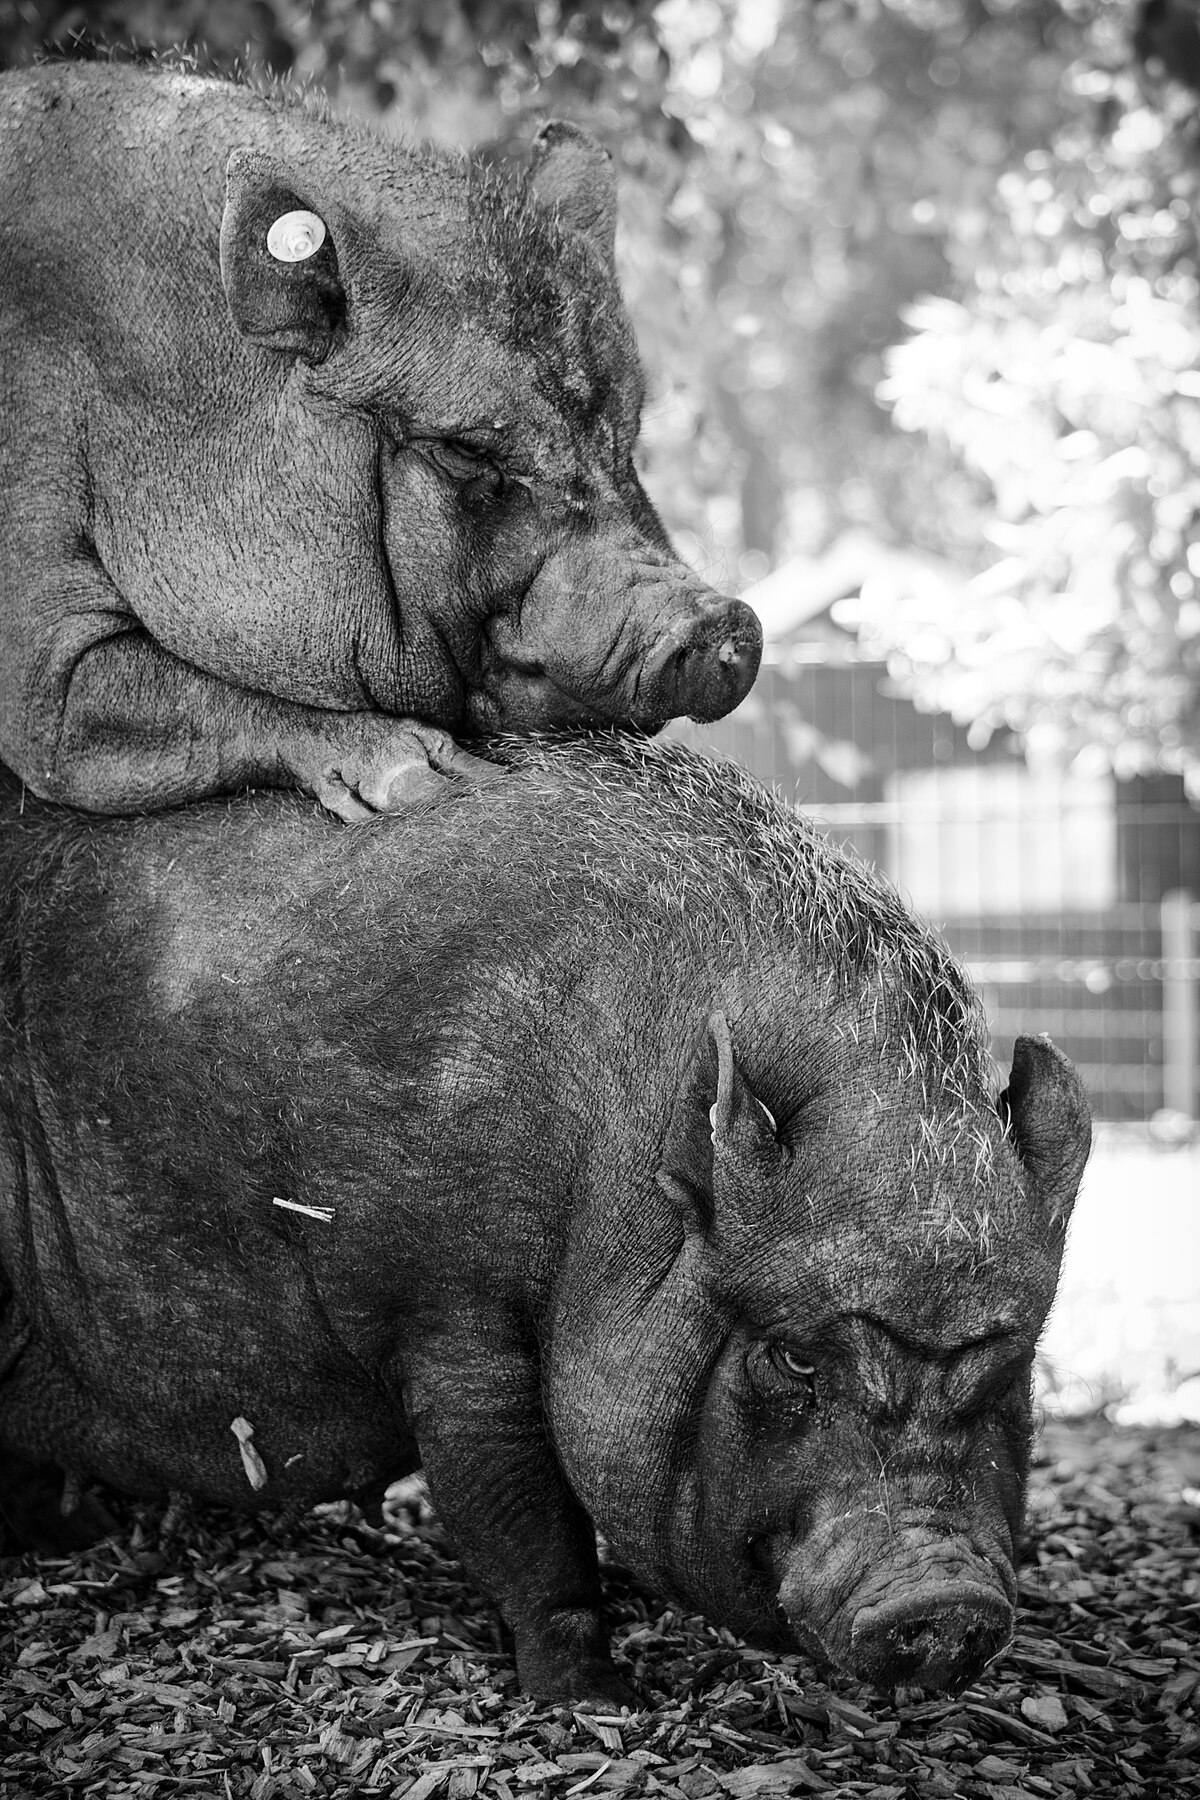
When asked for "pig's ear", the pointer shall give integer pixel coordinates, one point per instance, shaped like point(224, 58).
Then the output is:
point(278, 260)
point(718, 1125)
point(741, 1125)
point(572, 173)
point(1046, 1114)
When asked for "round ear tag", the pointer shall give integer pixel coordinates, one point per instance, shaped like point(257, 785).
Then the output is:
point(295, 236)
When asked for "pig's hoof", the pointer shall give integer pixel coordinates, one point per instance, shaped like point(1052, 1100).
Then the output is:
point(592, 1686)
point(428, 779)
point(342, 801)
point(397, 788)
point(40, 1510)
point(448, 758)
point(412, 784)
point(396, 772)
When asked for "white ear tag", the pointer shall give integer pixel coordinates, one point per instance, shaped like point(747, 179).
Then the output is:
point(296, 236)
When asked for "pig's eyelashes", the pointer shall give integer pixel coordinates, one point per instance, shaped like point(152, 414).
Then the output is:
point(784, 1376)
point(791, 1364)
point(462, 462)
point(467, 465)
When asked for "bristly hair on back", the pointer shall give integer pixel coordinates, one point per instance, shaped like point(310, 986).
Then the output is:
point(682, 832)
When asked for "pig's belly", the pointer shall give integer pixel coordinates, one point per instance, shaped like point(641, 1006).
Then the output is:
point(308, 1440)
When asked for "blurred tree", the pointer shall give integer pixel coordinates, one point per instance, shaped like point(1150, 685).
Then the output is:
point(1166, 34)
point(790, 174)
point(840, 141)
point(450, 69)
point(1065, 380)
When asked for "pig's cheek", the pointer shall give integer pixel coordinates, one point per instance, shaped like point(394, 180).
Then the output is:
point(997, 1475)
point(507, 549)
point(476, 556)
point(411, 527)
point(790, 1470)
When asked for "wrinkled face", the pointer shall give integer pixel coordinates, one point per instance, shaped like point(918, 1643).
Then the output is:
point(821, 1389)
point(507, 480)
point(877, 1528)
point(481, 395)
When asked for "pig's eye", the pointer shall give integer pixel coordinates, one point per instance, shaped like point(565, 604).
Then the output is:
point(783, 1383)
point(792, 1365)
point(462, 462)
point(784, 1378)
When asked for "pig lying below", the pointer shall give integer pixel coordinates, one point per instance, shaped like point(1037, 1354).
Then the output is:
point(656, 1186)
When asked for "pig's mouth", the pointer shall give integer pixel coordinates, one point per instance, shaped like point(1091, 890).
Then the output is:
point(940, 1634)
point(517, 691)
point(531, 701)
point(700, 663)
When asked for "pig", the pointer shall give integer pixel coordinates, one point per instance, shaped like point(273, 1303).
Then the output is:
point(652, 1181)
point(317, 454)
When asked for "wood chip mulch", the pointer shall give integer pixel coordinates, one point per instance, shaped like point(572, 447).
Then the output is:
point(278, 1662)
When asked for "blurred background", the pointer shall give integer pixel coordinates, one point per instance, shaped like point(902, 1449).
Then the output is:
point(917, 284)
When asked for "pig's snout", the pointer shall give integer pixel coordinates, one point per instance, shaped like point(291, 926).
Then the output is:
point(936, 1637)
point(703, 665)
point(923, 1606)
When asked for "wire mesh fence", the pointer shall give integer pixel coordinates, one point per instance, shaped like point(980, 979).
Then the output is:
point(1073, 898)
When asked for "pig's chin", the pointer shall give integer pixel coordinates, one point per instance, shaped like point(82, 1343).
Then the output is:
point(531, 700)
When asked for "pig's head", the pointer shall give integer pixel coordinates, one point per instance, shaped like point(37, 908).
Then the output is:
point(809, 1410)
point(458, 377)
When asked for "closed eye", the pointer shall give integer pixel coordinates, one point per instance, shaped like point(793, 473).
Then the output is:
point(460, 460)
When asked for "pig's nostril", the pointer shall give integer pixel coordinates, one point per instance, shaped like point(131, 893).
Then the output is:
point(702, 666)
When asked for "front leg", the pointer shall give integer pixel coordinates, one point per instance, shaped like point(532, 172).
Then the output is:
point(97, 713)
point(499, 1490)
point(127, 727)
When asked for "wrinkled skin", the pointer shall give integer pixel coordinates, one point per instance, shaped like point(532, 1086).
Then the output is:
point(666, 1195)
point(296, 523)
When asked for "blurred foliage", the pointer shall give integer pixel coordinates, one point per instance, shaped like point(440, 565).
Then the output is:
point(453, 70)
point(1065, 378)
point(799, 177)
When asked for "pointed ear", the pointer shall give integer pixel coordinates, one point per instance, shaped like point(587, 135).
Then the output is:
point(1046, 1114)
point(719, 1128)
point(278, 259)
point(741, 1125)
point(572, 174)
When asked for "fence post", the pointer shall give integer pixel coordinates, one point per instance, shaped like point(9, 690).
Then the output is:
point(1180, 1003)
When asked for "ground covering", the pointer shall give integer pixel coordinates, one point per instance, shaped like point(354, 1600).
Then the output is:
point(280, 1661)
